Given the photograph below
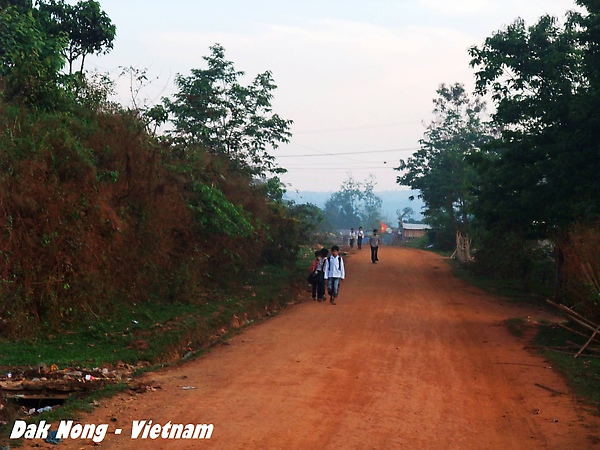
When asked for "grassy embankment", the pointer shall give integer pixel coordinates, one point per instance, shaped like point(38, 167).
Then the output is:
point(152, 335)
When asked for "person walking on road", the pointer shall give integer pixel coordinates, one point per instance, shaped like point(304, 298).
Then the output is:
point(352, 237)
point(361, 236)
point(334, 273)
point(374, 241)
point(313, 277)
point(321, 281)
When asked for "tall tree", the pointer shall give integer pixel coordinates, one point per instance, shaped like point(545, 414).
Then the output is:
point(354, 204)
point(371, 210)
point(405, 215)
point(439, 169)
point(342, 210)
point(543, 172)
point(30, 60)
point(214, 110)
point(87, 27)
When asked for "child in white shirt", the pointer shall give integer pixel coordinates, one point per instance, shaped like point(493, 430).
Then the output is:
point(335, 273)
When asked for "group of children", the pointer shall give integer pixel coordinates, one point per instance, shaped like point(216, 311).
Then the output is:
point(354, 236)
point(327, 271)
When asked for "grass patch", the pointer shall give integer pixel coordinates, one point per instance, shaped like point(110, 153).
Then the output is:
point(516, 326)
point(422, 243)
point(511, 290)
point(107, 341)
point(582, 373)
point(151, 333)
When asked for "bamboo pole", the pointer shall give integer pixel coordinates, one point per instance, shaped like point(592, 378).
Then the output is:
point(568, 310)
point(587, 343)
point(583, 324)
point(576, 332)
point(581, 321)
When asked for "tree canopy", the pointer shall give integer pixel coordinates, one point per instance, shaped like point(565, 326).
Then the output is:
point(35, 42)
point(354, 205)
point(30, 59)
point(541, 174)
point(100, 211)
point(88, 29)
point(212, 109)
point(440, 169)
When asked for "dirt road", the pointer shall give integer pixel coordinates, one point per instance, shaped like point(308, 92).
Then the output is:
point(409, 358)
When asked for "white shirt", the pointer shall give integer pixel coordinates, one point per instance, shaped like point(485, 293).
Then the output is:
point(335, 267)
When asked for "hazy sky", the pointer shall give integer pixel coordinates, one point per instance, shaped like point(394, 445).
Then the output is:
point(356, 77)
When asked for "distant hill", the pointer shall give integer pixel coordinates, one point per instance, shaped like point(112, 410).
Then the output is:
point(392, 201)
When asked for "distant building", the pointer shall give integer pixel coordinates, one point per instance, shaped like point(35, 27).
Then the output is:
point(411, 231)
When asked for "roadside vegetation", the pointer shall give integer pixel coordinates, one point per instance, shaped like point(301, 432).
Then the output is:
point(119, 245)
point(558, 345)
point(514, 193)
point(100, 213)
point(519, 185)
point(582, 373)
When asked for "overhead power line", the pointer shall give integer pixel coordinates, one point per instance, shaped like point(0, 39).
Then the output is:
point(351, 153)
point(340, 169)
point(356, 127)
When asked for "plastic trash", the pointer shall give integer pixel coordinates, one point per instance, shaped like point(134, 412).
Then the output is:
point(52, 439)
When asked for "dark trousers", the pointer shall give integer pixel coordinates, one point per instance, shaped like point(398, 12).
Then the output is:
point(321, 286)
point(359, 243)
point(374, 257)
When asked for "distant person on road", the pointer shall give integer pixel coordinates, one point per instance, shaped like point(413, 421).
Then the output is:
point(361, 236)
point(321, 268)
point(334, 273)
point(352, 237)
point(374, 241)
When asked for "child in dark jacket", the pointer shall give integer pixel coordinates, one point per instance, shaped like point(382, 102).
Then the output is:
point(313, 277)
point(321, 275)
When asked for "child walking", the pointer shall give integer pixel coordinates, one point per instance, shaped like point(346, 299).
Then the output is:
point(313, 277)
point(352, 237)
point(361, 236)
point(334, 273)
point(321, 268)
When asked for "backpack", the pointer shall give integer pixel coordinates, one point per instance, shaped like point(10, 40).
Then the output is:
point(339, 261)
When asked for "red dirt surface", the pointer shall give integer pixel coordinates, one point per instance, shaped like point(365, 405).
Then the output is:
point(409, 358)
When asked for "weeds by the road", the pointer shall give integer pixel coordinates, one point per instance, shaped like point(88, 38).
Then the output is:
point(151, 333)
point(516, 326)
point(583, 372)
point(511, 290)
point(154, 331)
